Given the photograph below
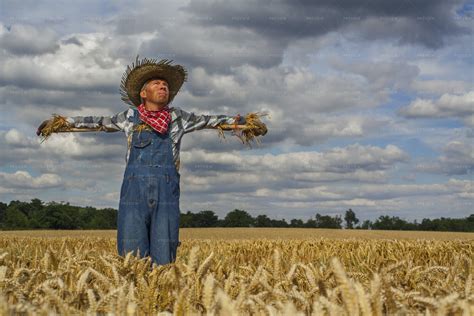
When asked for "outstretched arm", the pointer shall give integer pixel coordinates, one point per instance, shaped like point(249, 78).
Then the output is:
point(114, 123)
point(193, 122)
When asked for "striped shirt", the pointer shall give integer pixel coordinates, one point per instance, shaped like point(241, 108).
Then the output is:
point(182, 122)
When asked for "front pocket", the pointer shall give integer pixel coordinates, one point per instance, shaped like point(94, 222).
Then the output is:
point(141, 139)
point(141, 143)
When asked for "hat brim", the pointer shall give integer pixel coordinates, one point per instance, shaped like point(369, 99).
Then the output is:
point(143, 70)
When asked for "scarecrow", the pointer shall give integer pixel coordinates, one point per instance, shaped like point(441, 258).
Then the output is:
point(148, 214)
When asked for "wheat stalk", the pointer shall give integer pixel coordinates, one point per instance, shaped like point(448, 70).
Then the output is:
point(84, 275)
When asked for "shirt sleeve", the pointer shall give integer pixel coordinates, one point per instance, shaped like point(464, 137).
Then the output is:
point(114, 123)
point(193, 122)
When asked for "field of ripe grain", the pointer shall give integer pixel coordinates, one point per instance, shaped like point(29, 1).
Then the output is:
point(259, 233)
point(241, 271)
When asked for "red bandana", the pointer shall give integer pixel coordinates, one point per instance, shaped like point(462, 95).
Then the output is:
point(158, 120)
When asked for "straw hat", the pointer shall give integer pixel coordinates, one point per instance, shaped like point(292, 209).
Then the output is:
point(143, 70)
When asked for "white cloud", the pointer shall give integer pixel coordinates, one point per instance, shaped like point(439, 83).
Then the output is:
point(338, 160)
point(63, 145)
point(15, 138)
point(308, 174)
point(438, 86)
point(71, 67)
point(448, 105)
point(23, 180)
point(305, 108)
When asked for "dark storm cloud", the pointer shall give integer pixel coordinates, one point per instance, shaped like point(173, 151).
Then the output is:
point(424, 22)
point(215, 49)
point(218, 36)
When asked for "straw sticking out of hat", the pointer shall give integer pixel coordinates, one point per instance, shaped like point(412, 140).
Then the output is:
point(146, 69)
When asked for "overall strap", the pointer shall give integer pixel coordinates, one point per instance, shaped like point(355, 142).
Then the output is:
point(135, 119)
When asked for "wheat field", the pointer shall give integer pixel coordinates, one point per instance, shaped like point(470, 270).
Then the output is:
point(240, 271)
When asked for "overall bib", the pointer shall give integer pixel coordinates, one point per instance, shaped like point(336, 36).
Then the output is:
point(148, 216)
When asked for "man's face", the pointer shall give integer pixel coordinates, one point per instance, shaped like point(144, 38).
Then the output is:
point(156, 91)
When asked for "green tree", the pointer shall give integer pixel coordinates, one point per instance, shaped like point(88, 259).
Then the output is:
point(3, 209)
point(14, 218)
point(62, 216)
point(103, 219)
point(202, 219)
point(386, 222)
point(448, 224)
point(263, 221)
point(36, 204)
point(326, 221)
point(350, 219)
point(310, 223)
point(23, 207)
point(367, 224)
point(278, 223)
point(186, 219)
point(205, 219)
point(296, 223)
point(239, 218)
point(54, 215)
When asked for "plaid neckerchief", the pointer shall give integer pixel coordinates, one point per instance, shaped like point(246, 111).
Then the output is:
point(158, 120)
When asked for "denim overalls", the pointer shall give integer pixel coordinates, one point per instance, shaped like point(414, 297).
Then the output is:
point(148, 216)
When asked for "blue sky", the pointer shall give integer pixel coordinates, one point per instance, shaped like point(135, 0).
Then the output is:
point(371, 104)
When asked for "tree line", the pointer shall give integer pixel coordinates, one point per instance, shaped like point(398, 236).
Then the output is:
point(52, 215)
